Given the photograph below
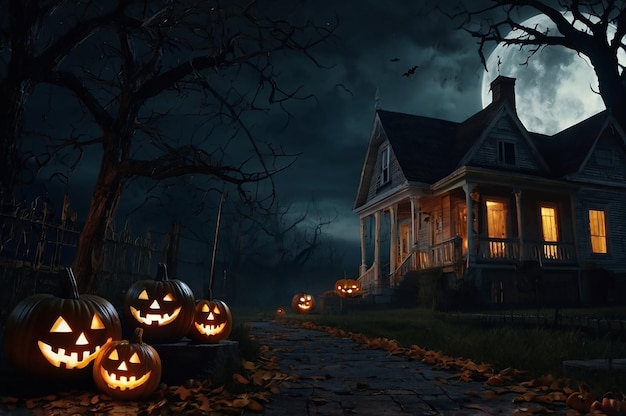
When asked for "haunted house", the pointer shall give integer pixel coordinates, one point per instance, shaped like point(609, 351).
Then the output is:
point(488, 202)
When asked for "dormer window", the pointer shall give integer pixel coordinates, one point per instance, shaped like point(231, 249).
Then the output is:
point(384, 165)
point(506, 153)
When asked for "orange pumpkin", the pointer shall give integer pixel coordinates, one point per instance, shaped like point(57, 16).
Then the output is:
point(347, 288)
point(608, 405)
point(212, 322)
point(302, 303)
point(127, 369)
point(59, 336)
point(581, 401)
point(281, 313)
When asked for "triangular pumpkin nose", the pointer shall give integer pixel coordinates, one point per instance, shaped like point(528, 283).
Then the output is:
point(123, 366)
point(155, 305)
point(82, 339)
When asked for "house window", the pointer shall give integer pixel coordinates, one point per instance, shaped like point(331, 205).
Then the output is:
point(597, 230)
point(496, 228)
point(506, 153)
point(384, 166)
point(550, 232)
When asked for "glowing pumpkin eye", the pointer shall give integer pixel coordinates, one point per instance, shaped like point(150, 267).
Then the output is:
point(205, 308)
point(60, 326)
point(216, 310)
point(134, 359)
point(113, 356)
point(302, 299)
point(168, 298)
point(96, 322)
point(143, 295)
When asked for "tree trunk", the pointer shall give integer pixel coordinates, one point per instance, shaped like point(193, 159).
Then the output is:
point(14, 93)
point(90, 251)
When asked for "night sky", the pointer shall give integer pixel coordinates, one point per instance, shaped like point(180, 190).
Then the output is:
point(362, 67)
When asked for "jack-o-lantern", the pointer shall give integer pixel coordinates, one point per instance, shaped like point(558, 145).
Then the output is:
point(163, 308)
point(127, 369)
point(52, 336)
point(302, 303)
point(281, 313)
point(212, 322)
point(347, 288)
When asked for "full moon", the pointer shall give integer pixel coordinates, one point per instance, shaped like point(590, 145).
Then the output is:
point(554, 91)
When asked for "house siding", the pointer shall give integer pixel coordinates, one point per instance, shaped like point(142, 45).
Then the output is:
point(614, 204)
point(505, 130)
point(597, 167)
point(396, 176)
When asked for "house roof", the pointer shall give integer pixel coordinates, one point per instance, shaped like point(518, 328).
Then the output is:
point(428, 149)
point(415, 139)
point(566, 151)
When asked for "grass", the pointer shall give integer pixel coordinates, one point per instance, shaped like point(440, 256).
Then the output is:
point(537, 349)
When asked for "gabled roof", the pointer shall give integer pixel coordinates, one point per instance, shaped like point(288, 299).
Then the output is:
point(429, 149)
point(566, 151)
point(415, 139)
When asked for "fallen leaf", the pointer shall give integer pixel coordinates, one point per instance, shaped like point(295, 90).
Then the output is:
point(319, 401)
point(240, 379)
point(255, 406)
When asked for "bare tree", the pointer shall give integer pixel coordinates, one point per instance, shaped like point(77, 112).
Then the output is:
point(158, 61)
point(583, 26)
point(35, 37)
point(269, 247)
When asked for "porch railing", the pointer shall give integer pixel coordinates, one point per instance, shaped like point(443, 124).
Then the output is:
point(508, 249)
point(367, 280)
point(440, 254)
point(449, 252)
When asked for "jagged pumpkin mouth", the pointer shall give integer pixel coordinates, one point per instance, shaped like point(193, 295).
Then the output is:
point(208, 329)
point(72, 359)
point(155, 318)
point(120, 382)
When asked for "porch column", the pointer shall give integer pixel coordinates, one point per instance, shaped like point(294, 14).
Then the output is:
point(471, 242)
point(520, 233)
point(412, 236)
point(363, 267)
point(393, 249)
point(377, 249)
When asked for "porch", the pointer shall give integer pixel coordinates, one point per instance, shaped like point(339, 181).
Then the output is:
point(450, 253)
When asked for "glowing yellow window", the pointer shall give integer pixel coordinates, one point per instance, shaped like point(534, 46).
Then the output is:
point(597, 229)
point(550, 232)
point(496, 228)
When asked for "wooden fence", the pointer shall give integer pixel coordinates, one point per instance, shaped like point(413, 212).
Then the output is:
point(37, 237)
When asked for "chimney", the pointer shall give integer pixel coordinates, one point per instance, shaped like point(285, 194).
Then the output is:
point(503, 89)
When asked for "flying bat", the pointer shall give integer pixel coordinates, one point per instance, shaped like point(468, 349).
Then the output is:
point(410, 72)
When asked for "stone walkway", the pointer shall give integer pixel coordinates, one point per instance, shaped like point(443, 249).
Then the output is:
point(333, 376)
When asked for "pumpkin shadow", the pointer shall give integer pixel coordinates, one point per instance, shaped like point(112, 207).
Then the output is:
point(16, 383)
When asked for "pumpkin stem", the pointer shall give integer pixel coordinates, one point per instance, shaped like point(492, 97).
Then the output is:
point(161, 272)
point(69, 289)
point(137, 336)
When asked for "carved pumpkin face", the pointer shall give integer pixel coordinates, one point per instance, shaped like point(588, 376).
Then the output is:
point(212, 322)
point(163, 308)
point(59, 336)
point(347, 288)
point(127, 370)
point(302, 303)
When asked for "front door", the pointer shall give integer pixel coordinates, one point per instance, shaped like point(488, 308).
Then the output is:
point(405, 242)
